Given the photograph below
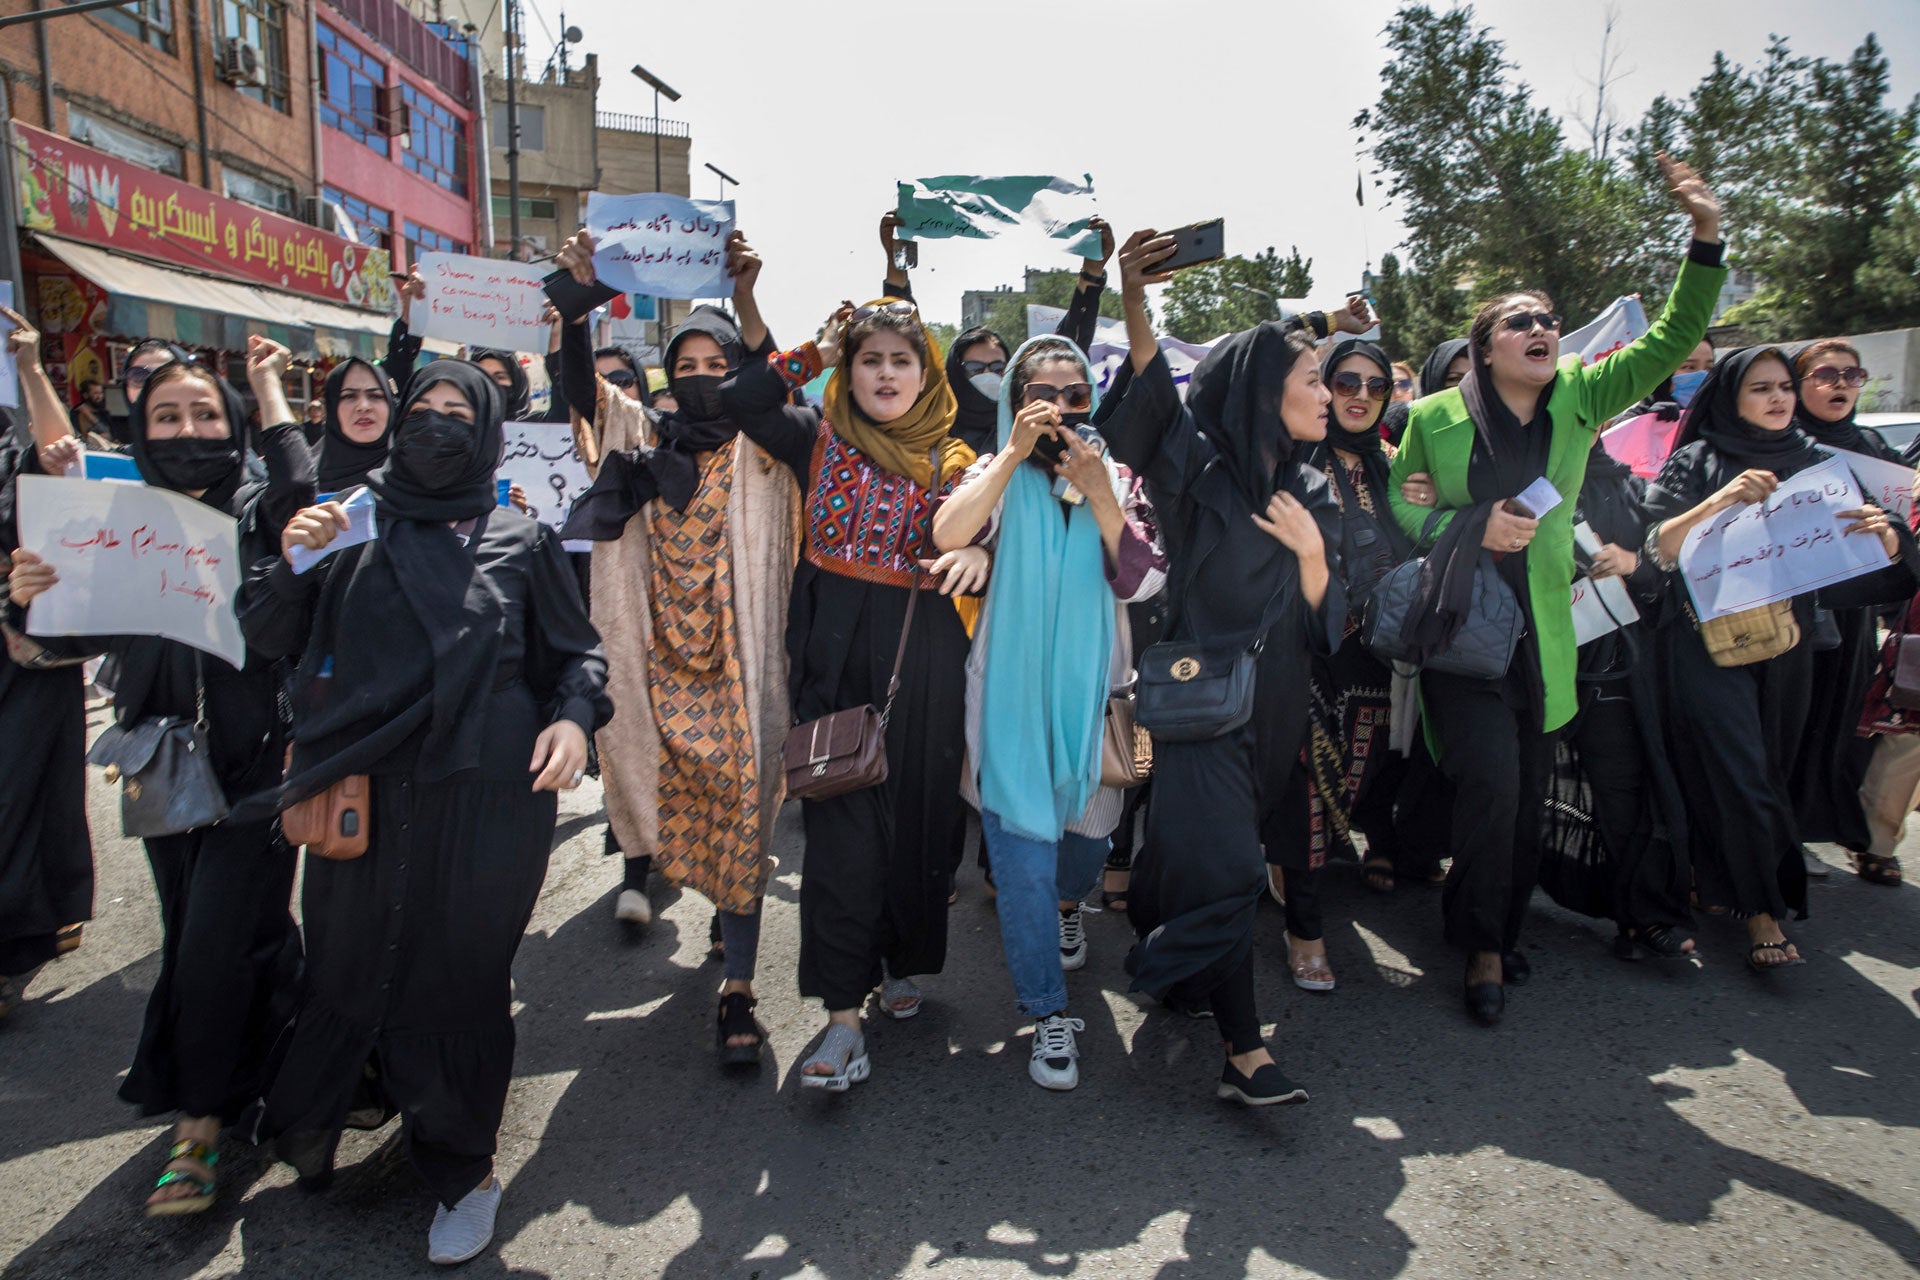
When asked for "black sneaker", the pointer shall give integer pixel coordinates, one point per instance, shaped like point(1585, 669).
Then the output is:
point(1266, 1087)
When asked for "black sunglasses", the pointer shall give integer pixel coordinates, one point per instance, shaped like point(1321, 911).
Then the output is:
point(1074, 398)
point(1525, 320)
point(621, 378)
point(975, 368)
point(1350, 383)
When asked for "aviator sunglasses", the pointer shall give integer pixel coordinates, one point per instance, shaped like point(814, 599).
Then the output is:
point(1350, 383)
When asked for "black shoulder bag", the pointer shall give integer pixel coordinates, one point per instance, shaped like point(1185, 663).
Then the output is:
point(1196, 690)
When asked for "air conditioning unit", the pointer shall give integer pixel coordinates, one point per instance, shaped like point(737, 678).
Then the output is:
point(396, 117)
point(241, 63)
point(327, 216)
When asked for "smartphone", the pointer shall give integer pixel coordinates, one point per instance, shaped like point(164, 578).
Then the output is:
point(906, 255)
point(1195, 244)
point(573, 299)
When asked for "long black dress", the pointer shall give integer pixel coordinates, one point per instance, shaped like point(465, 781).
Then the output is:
point(880, 861)
point(410, 947)
point(1833, 759)
point(1200, 872)
point(46, 854)
point(1736, 731)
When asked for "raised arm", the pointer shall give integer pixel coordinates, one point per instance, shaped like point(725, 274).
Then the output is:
point(47, 419)
point(897, 284)
point(743, 264)
point(1082, 320)
point(403, 348)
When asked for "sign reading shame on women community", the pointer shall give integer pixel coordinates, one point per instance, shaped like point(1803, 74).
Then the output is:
point(132, 560)
point(660, 245)
point(1794, 542)
point(981, 208)
point(483, 302)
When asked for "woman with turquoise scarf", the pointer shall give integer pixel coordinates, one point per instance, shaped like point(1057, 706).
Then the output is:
point(1073, 542)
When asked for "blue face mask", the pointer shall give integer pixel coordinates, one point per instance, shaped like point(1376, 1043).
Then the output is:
point(1686, 384)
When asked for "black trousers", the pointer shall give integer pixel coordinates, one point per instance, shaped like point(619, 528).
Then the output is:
point(1649, 880)
point(1499, 764)
point(1284, 832)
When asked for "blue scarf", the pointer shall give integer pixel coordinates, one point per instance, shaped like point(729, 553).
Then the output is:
point(1050, 634)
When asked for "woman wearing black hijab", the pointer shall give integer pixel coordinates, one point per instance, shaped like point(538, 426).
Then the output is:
point(1826, 779)
point(1348, 775)
point(357, 427)
point(1737, 730)
point(439, 659)
point(230, 958)
point(1252, 532)
point(504, 368)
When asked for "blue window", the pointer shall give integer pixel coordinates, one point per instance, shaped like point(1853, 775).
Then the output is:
point(350, 89)
point(373, 225)
point(437, 147)
point(419, 238)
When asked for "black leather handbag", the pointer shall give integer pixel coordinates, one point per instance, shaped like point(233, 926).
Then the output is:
point(1483, 647)
point(168, 785)
point(1195, 690)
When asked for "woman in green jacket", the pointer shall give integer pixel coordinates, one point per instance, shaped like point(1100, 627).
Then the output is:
point(1524, 413)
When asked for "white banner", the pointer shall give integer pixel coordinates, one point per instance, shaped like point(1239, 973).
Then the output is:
point(1792, 543)
point(1623, 321)
point(1599, 605)
point(483, 302)
point(133, 561)
point(542, 460)
point(1889, 485)
point(1110, 348)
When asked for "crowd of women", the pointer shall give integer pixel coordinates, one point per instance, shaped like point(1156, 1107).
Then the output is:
point(965, 581)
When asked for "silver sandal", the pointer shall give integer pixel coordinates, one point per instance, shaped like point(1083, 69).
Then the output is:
point(845, 1050)
point(892, 989)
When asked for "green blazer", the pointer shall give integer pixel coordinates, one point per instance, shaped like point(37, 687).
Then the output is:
point(1439, 441)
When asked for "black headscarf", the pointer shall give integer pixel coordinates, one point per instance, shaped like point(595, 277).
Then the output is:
point(1714, 416)
point(1433, 374)
point(670, 471)
point(1517, 450)
point(221, 493)
point(345, 462)
point(978, 423)
point(519, 396)
point(1234, 396)
point(1369, 444)
point(383, 688)
point(1844, 434)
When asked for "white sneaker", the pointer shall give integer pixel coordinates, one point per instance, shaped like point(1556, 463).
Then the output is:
point(463, 1231)
point(1055, 1063)
point(633, 907)
point(1073, 940)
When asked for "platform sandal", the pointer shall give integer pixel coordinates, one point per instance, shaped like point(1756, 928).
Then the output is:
point(204, 1156)
point(845, 1050)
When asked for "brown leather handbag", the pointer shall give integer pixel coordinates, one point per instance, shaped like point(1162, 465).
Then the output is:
point(1751, 635)
point(1126, 750)
point(333, 824)
point(847, 751)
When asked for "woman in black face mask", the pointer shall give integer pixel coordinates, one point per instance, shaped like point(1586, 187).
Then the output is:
point(693, 521)
point(436, 659)
point(503, 367)
point(231, 956)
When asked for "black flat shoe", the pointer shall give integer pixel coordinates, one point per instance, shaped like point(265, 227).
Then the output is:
point(1517, 967)
point(1486, 1001)
point(1266, 1087)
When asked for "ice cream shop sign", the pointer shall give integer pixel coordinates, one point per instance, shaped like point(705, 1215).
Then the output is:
point(71, 190)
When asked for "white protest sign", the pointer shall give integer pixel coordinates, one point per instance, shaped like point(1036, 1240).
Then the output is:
point(980, 208)
point(132, 560)
point(1599, 605)
point(661, 245)
point(541, 458)
point(1623, 321)
point(1110, 349)
point(1889, 485)
point(483, 302)
point(1792, 543)
point(9, 375)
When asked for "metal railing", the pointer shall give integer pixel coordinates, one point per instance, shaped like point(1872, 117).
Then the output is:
point(642, 124)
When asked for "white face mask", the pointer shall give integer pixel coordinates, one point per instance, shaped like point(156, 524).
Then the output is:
point(987, 384)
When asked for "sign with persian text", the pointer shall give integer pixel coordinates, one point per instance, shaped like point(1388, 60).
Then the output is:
point(1793, 543)
point(68, 189)
point(660, 245)
point(133, 561)
point(542, 459)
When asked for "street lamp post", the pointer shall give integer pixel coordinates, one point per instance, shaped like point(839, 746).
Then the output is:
point(659, 87)
point(725, 178)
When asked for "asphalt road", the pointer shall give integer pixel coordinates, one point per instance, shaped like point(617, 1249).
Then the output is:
point(1626, 1120)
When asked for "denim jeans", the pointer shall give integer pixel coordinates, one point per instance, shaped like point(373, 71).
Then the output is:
point(1033, 878)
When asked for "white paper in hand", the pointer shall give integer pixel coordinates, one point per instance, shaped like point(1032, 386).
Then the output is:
point(1538, 498)
point(360, 528)
point(1600, 605)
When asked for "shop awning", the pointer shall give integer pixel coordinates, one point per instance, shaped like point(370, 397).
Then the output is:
point(203, 310)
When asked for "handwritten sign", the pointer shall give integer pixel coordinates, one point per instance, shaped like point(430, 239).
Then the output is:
point(132, 560)
point(976, 208)
point(1643, 443)
point(1623, 321)
point(73, 190)
point(542, 460)
point(483, 302)
point(1600, 605)
point(1889, 485)
point(661, 245)
point(1791, 544)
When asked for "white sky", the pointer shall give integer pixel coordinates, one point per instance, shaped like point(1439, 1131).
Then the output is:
point(1180, 111)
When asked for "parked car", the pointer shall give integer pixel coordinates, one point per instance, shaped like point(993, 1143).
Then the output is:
point(1901, 430)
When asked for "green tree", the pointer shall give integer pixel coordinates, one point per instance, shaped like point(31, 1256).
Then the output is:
point(943, 333)
point(1234, 293)
point(1007, 316)
point(1893, 273)
point(1418, 310)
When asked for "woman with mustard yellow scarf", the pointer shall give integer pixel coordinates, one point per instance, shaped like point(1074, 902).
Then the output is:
point(880, 859)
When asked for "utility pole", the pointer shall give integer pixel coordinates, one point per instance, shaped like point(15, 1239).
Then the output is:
point(513, 128)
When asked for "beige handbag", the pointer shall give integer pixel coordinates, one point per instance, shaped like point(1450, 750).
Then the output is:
point(1751, 635)
point(1126, 750)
